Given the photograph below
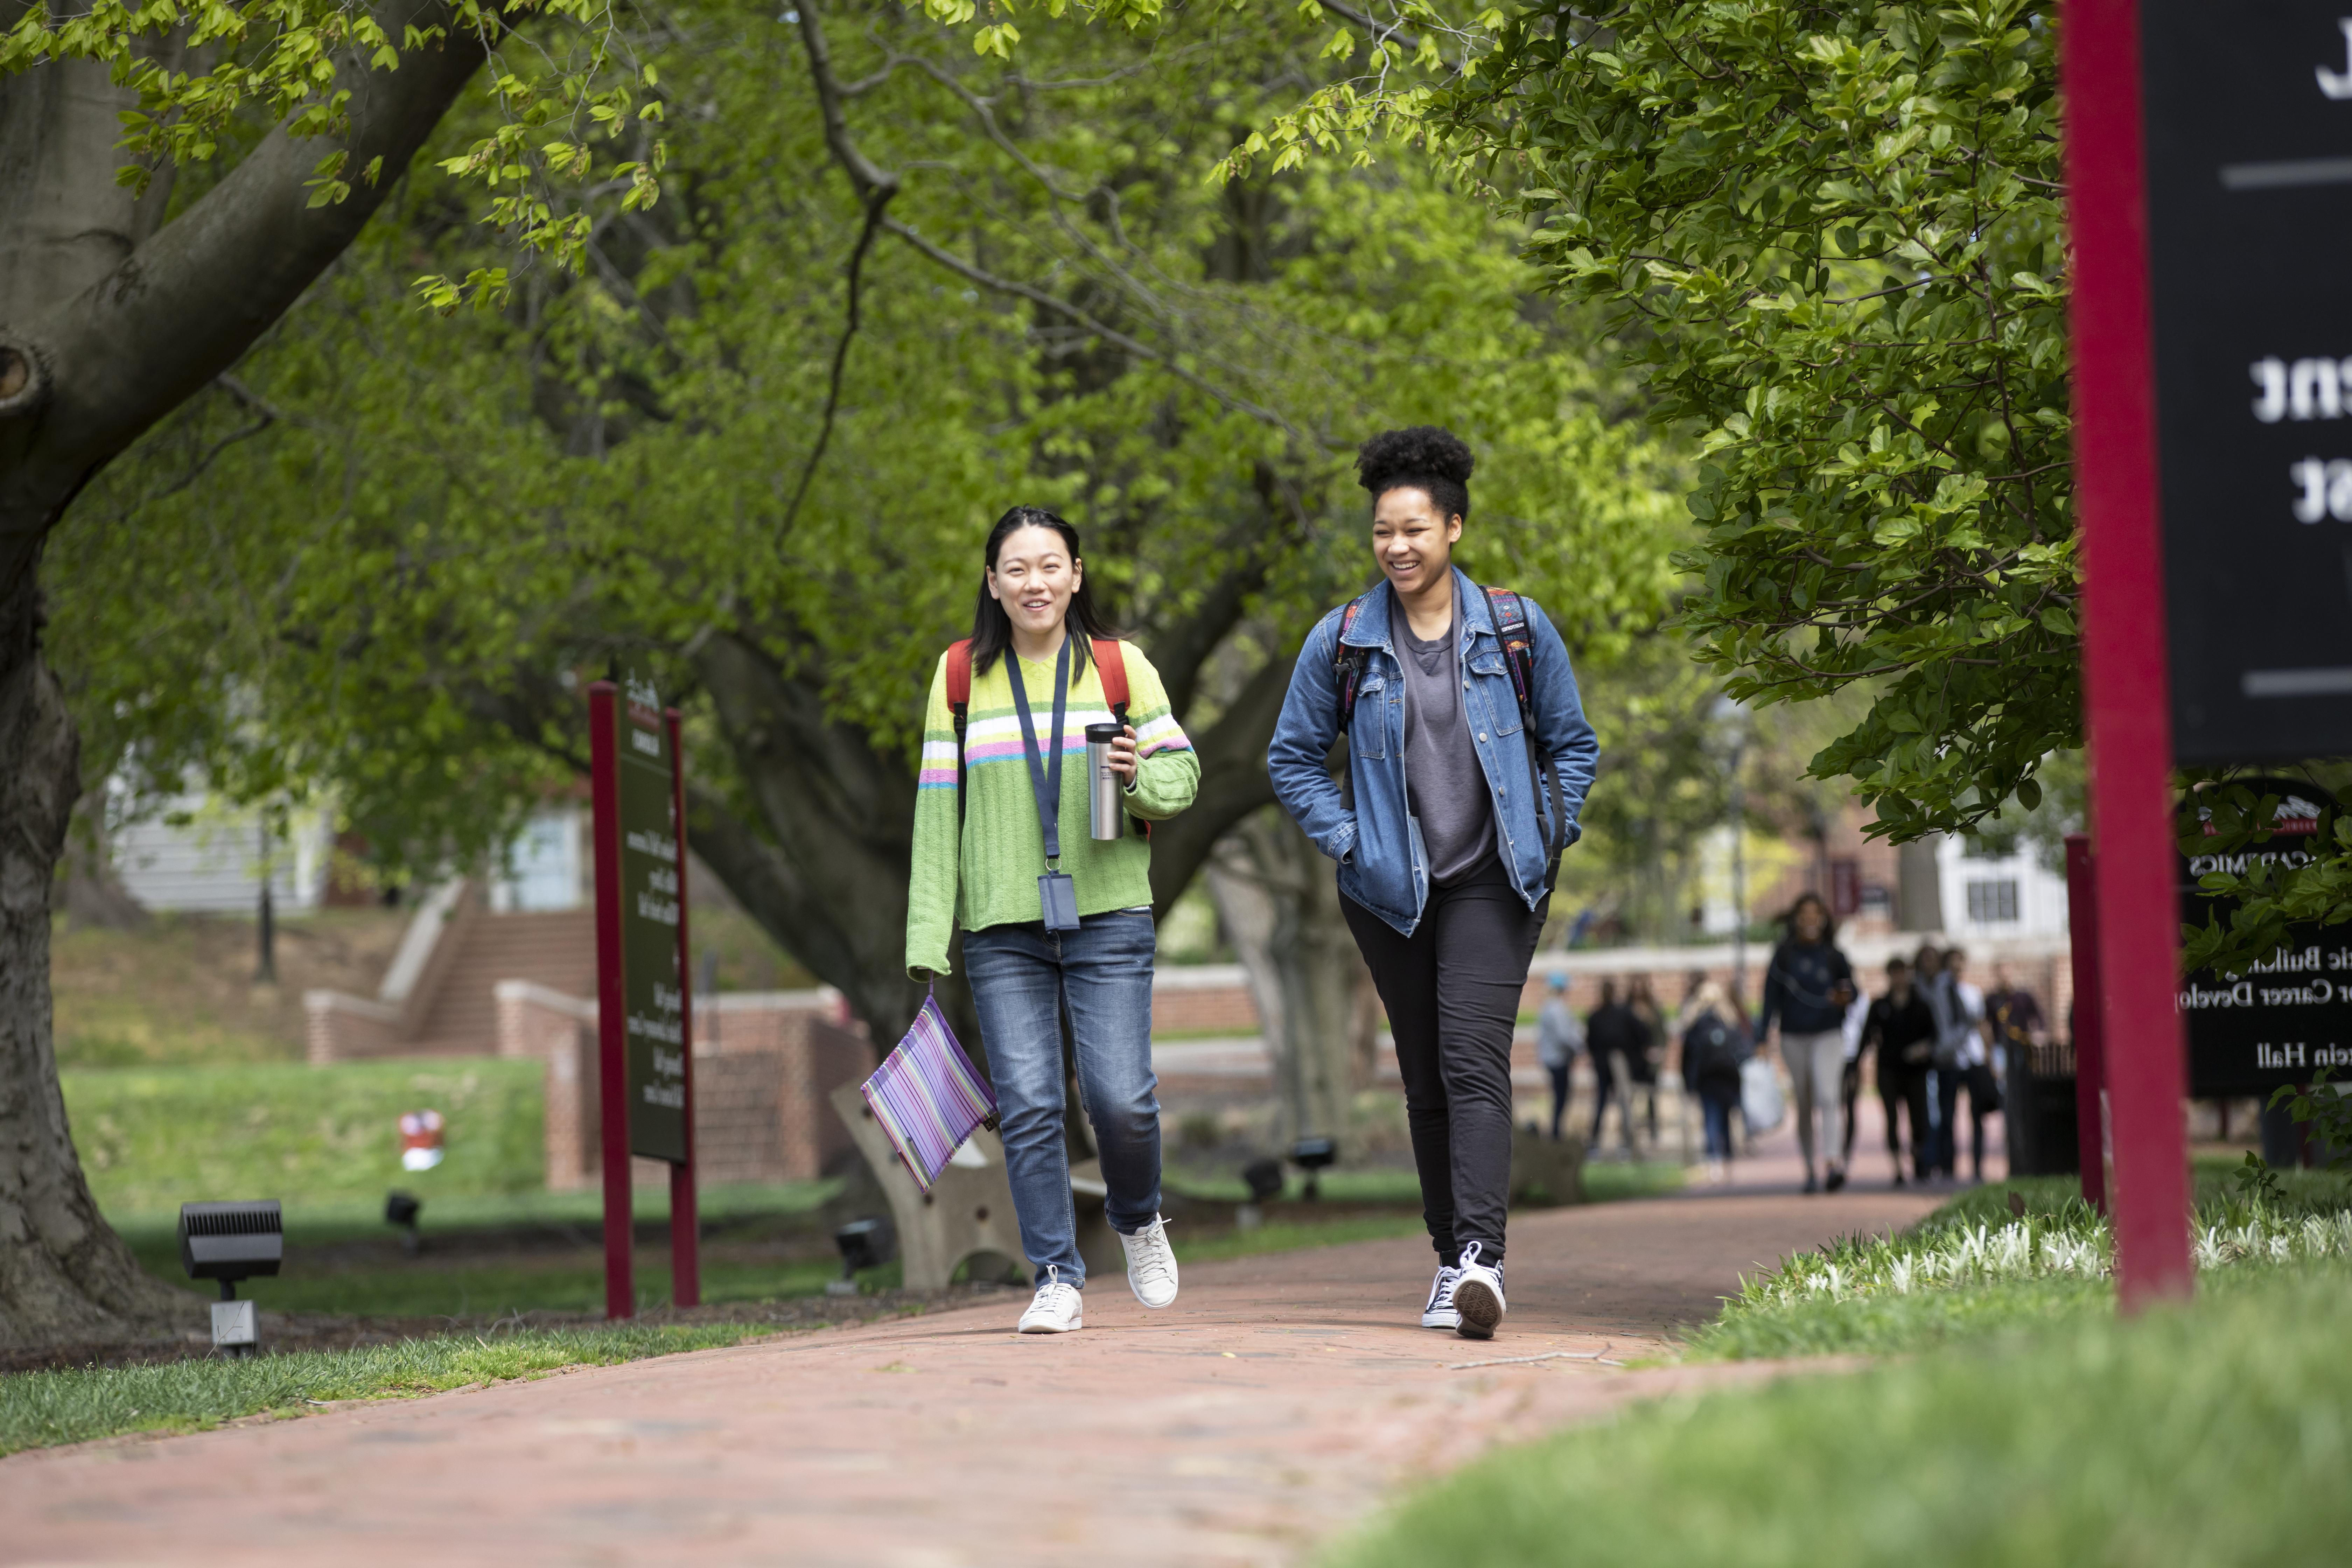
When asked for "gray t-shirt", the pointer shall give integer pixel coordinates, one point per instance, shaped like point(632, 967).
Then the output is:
point(1442, 771)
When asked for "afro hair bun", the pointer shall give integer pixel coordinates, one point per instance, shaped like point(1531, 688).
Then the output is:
point(1426, 457)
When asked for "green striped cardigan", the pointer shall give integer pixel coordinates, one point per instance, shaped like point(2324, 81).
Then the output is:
point(984, 870)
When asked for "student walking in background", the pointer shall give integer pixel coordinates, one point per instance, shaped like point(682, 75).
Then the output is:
point(1614, 1035)
point(1642, 1066)
point(1806, 990)
point(2015, 1016)
point(1962, 1063)
point(1468, 760)
point(1559, 1040)
point(1900, 1031)
point(1057, 924)
point(1712, 1050)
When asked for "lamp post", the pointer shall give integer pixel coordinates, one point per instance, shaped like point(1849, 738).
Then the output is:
point(1731, 727)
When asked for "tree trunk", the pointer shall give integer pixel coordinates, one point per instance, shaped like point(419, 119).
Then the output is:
point(1280, 905)
point(108, 324)
point(64, 1275)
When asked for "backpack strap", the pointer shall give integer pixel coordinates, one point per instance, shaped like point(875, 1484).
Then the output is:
point(1347, 662)
point(1110, 666)
point(1510, 612)
point(1110, 663)
point(959, 705)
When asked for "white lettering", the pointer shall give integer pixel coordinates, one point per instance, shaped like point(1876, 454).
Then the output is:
point(666, 849)
point(2338, 84)
point(647, 742)
point(2270, 374)
point(2311, 390)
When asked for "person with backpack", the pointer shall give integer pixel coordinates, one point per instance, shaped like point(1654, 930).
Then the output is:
point(1560, 1040)
point(1056, 923)
point(1468, 759)
point(1901, 1027)
point(1617, 1037)
point(1714, 1048)
point(1806, 988)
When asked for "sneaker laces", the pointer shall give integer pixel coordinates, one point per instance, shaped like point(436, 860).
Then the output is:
point(1440, 1289)
point(1051, 1292)
point(1470, 1258)
point(1152, 1259)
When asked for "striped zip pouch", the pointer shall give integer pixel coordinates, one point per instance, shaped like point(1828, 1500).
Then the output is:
point(927, 1097)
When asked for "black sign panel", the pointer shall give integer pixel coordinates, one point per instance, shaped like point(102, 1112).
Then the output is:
point(2291, 1012)
point(2249, 127)
point(651, 988)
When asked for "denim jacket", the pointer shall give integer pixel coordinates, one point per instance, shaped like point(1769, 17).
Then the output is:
point(1377, 844)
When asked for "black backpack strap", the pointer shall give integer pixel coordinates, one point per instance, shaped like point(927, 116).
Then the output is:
point(1510, 612)
point(1347, 661)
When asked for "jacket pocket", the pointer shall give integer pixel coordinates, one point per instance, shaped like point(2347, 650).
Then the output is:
point(1495, 685)
point(1367, 736)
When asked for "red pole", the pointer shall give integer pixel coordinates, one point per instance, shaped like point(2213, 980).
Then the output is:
point(2126, 701)
point(685, 1218)
point(612, 1010)
point(2090, 1064)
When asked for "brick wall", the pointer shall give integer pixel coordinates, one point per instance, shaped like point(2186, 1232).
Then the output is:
point(763, 1065)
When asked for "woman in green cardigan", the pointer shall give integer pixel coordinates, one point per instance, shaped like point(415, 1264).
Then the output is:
point(1038, 949)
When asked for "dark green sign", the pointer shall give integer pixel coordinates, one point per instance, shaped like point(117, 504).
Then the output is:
point(652, 984)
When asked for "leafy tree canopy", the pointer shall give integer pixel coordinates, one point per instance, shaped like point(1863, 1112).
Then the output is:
point(378, 557)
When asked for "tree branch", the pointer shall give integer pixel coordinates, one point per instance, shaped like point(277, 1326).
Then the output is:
point(181, 308)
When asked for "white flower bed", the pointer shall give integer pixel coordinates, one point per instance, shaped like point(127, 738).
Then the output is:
point(2037, 1247)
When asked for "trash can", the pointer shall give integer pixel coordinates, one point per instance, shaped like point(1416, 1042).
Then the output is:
point(2043, 1140)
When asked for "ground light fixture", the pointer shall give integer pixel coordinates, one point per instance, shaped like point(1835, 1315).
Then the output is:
point(229, 1242)
point(1314, 1156)
point(400, 1209)
point(864, 1244)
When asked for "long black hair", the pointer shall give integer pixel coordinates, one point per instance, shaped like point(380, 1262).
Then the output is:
point(1829, 921)
point(992, 629)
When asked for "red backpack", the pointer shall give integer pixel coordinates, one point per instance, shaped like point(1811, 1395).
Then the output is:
point(1109, 660)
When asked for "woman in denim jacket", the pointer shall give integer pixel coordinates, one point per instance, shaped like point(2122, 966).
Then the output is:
point(1444, 835)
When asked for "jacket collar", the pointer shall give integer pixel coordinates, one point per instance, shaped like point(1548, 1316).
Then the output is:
point(1372, 628)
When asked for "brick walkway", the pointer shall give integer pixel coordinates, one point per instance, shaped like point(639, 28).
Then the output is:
point(1283, 1400)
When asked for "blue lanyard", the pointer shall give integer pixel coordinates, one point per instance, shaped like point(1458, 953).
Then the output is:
point(1045, 783)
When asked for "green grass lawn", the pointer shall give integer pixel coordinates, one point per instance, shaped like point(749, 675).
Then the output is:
point(2214, 1434)
point(1980, 1266)
point(41, 1408)
point(486, 1256)
point(155, 1138)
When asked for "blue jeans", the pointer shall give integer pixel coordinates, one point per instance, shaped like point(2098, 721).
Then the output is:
point(1024, 981)
point(1718, 1116)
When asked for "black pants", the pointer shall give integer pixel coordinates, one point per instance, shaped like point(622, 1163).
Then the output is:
point(1451, 991)
point(1983, 1101)
point(1905, 1089)
point(1558, 1097)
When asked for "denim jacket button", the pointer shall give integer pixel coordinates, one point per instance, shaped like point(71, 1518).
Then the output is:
point(1481, 734)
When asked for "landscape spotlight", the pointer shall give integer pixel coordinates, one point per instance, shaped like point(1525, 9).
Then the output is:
point(1264, 1179)
point(865, 1244)
point(1314, 1156)
point(229, 1242)
point(401, 1209)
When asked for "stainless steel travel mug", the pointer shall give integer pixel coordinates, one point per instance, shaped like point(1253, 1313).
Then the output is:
point(1106, 792)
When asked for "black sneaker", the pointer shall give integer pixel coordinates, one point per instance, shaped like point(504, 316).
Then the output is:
point(1479, 1295)
point(1836, 1179)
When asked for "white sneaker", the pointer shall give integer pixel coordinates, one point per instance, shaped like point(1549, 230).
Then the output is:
point(1440, 1313)
point(1479, 1295)
point(1059, 1308)
point(1150, 1264)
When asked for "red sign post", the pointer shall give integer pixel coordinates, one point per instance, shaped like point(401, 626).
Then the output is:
point(644, 1018)
point(2126, 695)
